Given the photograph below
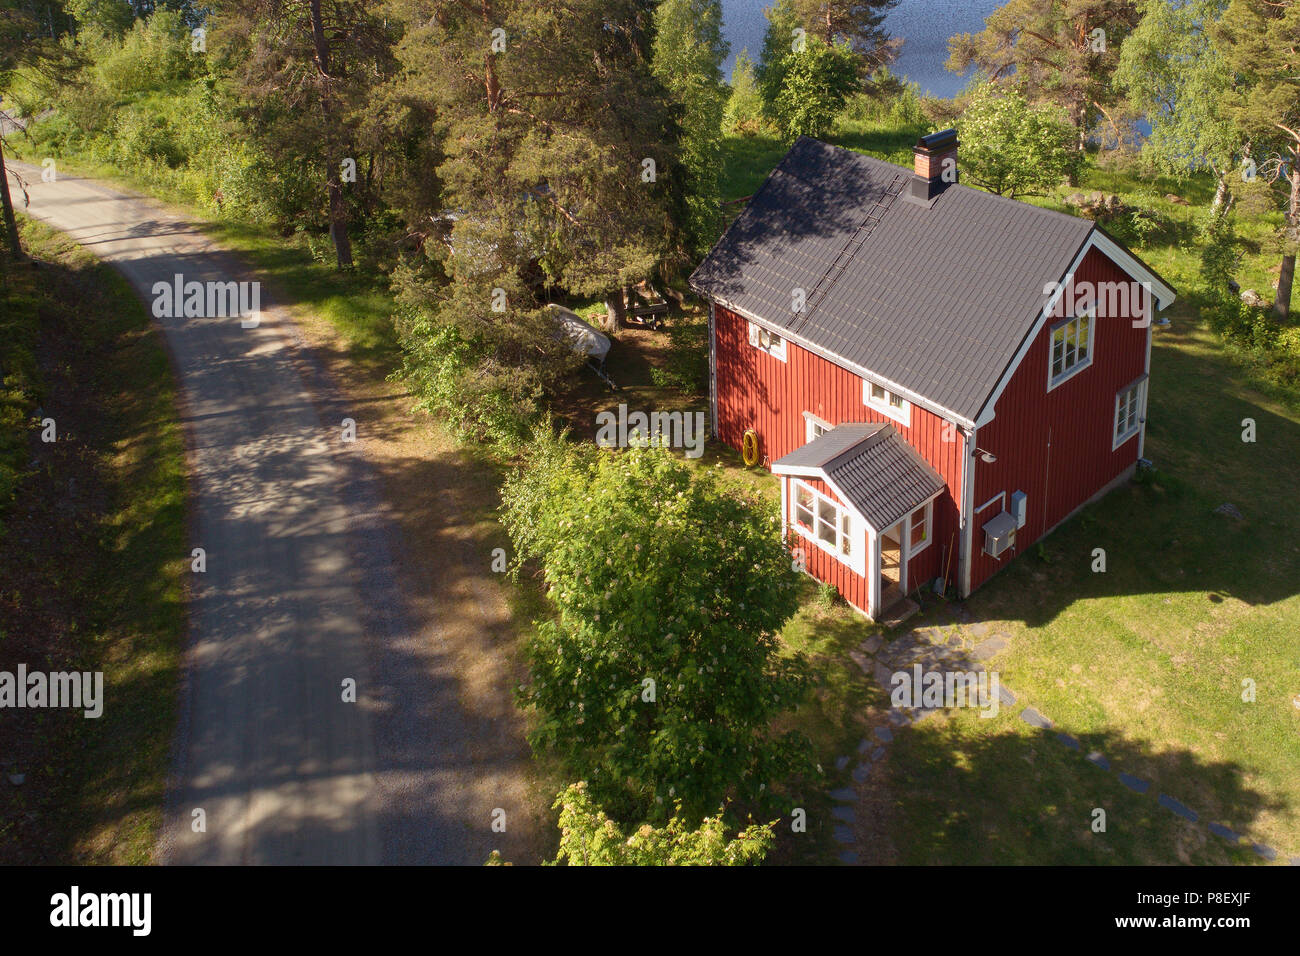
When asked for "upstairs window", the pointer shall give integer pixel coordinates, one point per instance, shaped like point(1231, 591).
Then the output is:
point(767, 340)
point(883, 400)
point(814, 427)
point(1071, 348)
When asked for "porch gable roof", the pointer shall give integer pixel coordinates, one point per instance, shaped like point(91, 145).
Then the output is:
point(871, 466)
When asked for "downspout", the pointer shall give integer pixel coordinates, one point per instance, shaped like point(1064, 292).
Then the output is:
point(967, 516)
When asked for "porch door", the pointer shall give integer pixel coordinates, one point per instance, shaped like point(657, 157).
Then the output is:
point(893, 585)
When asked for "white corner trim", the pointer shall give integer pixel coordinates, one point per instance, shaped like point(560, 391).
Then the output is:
point(713, 369)
point(966, 517)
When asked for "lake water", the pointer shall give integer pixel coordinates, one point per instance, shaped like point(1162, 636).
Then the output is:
point(923, 25)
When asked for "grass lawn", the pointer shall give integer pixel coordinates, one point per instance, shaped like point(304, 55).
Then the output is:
point(93, 548)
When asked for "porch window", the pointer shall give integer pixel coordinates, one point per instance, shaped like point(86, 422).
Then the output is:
point(921, 521)
point(1128, 411)
point(1071, 348)
point(822, 520)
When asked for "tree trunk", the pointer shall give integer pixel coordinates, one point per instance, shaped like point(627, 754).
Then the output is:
point(11, 224)
point(1220, 194)
point(615, 309)
point(1282, 301)
point(333, 185)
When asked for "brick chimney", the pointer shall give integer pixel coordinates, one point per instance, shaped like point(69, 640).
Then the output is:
point(934, 166)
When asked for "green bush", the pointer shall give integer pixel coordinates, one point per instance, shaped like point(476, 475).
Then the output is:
point(456, 377)
point(661, 677)
point(152, 55)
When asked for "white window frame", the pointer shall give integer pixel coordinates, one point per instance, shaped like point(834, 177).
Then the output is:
point(846, 525)
point(900, 412)
point(1138, 405)
point(913, 548)
point(1068, 373)
point(776, 346)
point(812, 423)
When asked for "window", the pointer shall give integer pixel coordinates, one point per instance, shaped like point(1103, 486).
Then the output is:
point(1071, 348)
point(820, 519)
point(815, 427)
point(1128, 413)
point(883, 400)
point(921, 521)
point(767, 340)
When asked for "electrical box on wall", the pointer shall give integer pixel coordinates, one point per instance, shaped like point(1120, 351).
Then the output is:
point(1019, 507)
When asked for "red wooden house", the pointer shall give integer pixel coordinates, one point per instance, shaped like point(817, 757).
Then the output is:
point(939, 376)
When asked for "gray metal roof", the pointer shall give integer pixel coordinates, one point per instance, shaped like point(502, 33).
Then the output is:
point(873, 466)
point(936, 300)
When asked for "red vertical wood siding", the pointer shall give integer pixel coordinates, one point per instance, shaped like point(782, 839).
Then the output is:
point(1076, 417)
point(755, 390)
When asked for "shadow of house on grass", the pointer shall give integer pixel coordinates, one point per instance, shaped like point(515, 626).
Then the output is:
point(1019, 795)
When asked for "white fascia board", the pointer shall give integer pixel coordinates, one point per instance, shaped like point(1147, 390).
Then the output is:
point(1162, 294)
point(913, 397)
point(986, 412)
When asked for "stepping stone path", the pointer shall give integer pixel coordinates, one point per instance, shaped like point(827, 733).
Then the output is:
point(1219, 830)
point(994, 645)
point(1136, 784)
point(1099, 760)
point(959, 645)
point(1035, 719)
point(1173, 806)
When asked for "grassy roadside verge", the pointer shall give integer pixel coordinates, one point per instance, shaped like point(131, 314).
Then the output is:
point(93, 558)
point(443, 496)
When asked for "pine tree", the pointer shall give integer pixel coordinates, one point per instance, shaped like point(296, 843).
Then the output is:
point(1260, 41)
point(688, 54)
point(1062, 52)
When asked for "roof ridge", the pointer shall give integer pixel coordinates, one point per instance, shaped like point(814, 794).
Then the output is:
point(869, 440)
